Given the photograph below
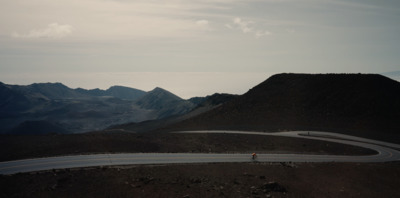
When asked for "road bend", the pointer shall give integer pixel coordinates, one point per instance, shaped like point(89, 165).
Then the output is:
point(385, 153)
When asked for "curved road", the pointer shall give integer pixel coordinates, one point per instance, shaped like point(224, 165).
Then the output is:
point(385, 154)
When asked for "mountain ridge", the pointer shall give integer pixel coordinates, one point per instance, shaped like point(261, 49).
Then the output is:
point(165, 102)
point(122, 92)
point(41, 105)
point(203, 104)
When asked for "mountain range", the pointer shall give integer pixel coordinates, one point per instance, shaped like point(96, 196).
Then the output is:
point(366, 105)
point(54, 107)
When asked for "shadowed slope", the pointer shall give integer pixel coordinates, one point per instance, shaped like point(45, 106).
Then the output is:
point(359, 104)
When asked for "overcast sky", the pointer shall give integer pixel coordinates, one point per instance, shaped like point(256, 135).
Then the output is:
point(193, 47)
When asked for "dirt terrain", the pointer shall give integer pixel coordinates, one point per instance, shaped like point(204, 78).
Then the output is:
point(14, 147)
point(211, 180)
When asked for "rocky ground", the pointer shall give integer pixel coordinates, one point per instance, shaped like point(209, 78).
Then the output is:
point(194, 180)
point(211, 180)
point(14, 147)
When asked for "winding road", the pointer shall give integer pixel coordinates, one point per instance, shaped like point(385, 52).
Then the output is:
point(386, 152)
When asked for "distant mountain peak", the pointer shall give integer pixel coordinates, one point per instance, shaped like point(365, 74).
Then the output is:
point(118, 86)
point(125, 92)
point(159, 89)
point(160, 92)
point(56, 84)
point(164, 101)
point(79, 110)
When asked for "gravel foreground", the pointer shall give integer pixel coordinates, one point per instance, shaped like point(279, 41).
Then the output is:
point(211, 180)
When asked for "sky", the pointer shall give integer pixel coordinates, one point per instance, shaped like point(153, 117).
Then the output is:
point(196, 47)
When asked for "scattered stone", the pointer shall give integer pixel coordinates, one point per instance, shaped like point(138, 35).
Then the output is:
point(195, 180)
point(288, 164)
point(186, 196)
point(254, 193)
point(273, 187)
point(53, 187)
point(146, 180)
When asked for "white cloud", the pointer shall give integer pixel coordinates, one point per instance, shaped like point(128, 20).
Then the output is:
point(53, 30)
point(203, 25)
point(113, 19)
point(202, 22)
point(229, 26)
point(243, 25)
point(247, 26)
point(262, 33)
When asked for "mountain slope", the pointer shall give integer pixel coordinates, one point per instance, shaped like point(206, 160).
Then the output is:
point(11, 101)
point(165, 103)
point(126, 93)
point(359, 104)
point(38, 127)
point(48, 91)
point(41, 105)
point(120, 92)
point(214, 99)
point(204, 104)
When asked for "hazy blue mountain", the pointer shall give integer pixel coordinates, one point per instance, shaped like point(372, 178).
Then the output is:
point(91, 92)
point(38, 127)
point(157, 99)
point(197, 100)
point(125, 92)
point(121, 92)
point(41, 105)
point(48, 91)
point(203, 104)
point(11, 101)
point(165, 102)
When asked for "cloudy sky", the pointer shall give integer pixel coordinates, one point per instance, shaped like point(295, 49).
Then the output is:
point(193, 47)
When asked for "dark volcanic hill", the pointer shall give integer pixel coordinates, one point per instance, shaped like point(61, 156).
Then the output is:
point(212, 100)
point(360, 104)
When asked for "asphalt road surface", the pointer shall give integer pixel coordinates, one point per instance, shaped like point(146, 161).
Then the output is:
point(385, 151)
